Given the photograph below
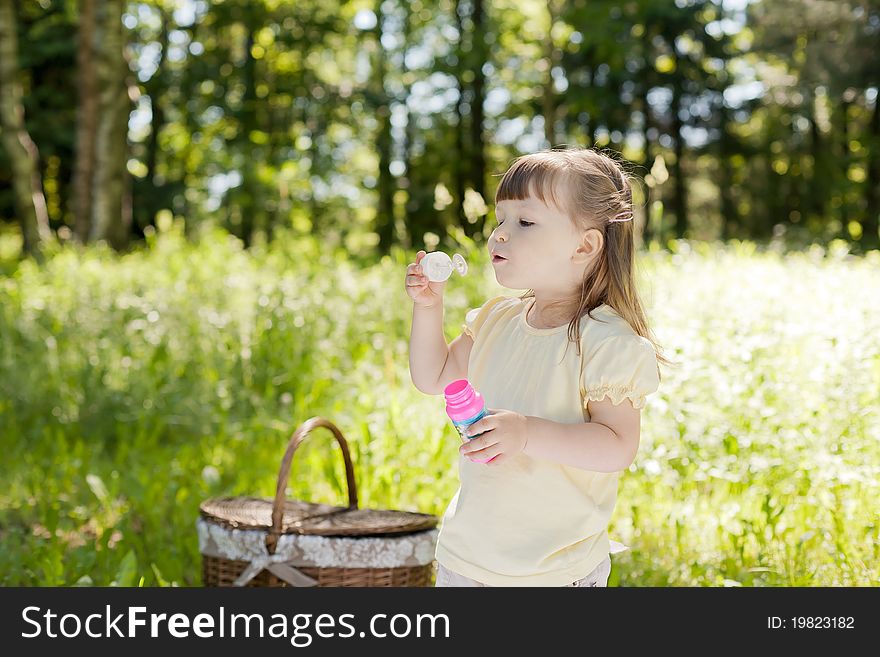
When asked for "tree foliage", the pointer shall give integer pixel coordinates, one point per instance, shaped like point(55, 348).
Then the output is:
point(374, 123)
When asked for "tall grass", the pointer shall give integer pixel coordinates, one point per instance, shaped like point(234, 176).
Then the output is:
point(134, 387)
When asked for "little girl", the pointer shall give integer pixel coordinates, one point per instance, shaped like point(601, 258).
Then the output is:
point(563, 424)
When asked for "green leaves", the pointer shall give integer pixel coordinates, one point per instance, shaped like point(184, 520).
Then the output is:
point(127, 573)
point(98, 488)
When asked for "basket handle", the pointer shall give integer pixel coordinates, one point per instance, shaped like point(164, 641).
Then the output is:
point(283, 474)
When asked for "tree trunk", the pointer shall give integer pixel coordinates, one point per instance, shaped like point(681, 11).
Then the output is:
point(404, 183)
point(30, 203)
point(843, 169)
point(871, 228)
point(818, 183)
point(553, 56)
point(461, 152)
point(725, 177)
point(762, 221)
point(86, 121)
point(272, 212)
point(154, 199)
point(648, 161)
point(478, 52)
point(111, 219)
point(250, 202)
point(647, 82)
point(679, 201)
point(585, 119)
point(316, 129)
point(386, 184)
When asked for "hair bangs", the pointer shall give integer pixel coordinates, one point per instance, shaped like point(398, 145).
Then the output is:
point(534, 176)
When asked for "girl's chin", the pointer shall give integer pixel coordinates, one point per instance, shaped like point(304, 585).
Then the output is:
point(505, 280)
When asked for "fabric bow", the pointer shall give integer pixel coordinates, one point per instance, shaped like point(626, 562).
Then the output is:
point(275, 564)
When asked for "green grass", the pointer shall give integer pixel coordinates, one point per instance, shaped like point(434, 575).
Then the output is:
point(134, 387)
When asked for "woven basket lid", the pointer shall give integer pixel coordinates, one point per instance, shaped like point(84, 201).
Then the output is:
point(307, 518)
point(279, 515)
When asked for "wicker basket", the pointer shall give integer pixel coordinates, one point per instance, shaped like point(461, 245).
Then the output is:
point(254, 541)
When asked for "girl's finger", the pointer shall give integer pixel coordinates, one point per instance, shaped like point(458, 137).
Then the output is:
point(476, 444)
point(485, 455)
point(479, 427)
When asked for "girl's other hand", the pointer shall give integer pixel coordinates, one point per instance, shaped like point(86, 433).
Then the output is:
point(423, 292)
point(504, 435)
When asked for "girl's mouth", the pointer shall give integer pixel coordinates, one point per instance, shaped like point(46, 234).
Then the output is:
point(496, 259)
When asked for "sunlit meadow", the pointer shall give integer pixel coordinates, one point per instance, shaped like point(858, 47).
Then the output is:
point(133, 388)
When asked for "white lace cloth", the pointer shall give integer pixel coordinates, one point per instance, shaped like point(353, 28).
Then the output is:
point(295, 550)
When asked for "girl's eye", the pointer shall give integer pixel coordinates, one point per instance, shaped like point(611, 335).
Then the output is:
point(526, 224)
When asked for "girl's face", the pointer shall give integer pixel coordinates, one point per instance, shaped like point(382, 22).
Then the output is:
point(541, 247)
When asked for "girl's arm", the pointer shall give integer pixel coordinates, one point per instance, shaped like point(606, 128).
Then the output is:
point(608, 443)
point(428, 350)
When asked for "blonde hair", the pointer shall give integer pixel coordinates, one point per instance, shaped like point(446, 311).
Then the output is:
point(592, 188)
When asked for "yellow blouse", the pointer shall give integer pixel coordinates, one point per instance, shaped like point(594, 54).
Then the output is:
point(533, 522)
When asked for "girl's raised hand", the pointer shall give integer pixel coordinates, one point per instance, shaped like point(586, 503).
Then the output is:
point(423, 292)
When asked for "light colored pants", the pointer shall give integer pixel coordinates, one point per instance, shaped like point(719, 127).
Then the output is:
point(599, 577)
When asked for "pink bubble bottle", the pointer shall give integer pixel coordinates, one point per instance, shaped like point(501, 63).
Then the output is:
point(464, 406)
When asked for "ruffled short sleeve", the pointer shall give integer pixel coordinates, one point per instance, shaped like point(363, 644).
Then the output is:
point(621, 367)
point(476, 317)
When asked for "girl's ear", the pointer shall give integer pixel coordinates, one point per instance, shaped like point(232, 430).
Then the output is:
point(590, 246)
